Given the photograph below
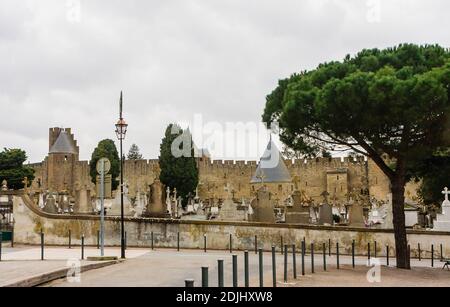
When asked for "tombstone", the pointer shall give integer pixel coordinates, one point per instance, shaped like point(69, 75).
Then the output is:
point(442, 222)
point(356, 215)
point(214, 209)
point(64, 202)
point(157, 206)
point(115, 209)
point(388, 214)
point(4, 185)
point(263, 207)
point(50, 205)
point(83, 202)
point(325, 214)
point(41, 202)
point(140, 204)
point(300, 212)
point(229, 212)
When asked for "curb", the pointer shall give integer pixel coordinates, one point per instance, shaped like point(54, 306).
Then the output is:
point(40, 279)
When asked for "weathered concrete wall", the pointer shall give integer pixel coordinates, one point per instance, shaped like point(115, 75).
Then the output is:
point(29, 221)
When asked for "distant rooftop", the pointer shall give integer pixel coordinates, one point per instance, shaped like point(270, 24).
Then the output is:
point(63, 144)
point(271, 168)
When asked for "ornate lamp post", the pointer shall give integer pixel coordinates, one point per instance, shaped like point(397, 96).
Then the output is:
point(121, 130)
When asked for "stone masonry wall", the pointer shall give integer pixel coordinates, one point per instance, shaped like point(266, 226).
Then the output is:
point(30, 220)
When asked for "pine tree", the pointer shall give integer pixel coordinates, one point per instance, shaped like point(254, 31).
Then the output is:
point(134, 153)
point(177, 162)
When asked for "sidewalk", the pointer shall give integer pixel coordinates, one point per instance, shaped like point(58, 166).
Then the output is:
point(21, 265)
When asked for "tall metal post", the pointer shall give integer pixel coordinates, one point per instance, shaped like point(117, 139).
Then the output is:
point(102, 209)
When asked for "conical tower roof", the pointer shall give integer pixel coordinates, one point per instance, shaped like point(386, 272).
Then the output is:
point(63, 144)
point(271, 168)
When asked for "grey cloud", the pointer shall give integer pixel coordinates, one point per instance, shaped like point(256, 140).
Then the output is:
point(175, 58)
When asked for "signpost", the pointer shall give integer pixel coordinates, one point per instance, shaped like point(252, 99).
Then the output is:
point(103, 167)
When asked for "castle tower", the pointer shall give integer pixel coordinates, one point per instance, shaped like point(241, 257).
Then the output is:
point(62, 159)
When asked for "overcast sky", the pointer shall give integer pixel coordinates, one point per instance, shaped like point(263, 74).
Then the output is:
point(63, 63)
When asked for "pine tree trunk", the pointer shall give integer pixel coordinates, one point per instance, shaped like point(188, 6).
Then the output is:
point(398, 208)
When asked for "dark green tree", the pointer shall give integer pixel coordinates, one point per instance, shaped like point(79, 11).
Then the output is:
point(434, 173)
point(177, 162)
point(12, 169)
point(106, 149)
point(134, 153)
point(392, 102)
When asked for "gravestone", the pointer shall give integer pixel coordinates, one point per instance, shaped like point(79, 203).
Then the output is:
point(115, 209)
point(325, 214)
point(299, 212)
point(356, 216)
point(83, 203)
point(157, 206)
point(50, 205)
point(442, 222)
point(263, 207)
point(230, 212)
point(140, 204)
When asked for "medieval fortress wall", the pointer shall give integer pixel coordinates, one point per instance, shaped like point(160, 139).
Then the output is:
point(63, 171)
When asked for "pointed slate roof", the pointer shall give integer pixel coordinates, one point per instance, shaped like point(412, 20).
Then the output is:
point(271, 167)
point(63, 144)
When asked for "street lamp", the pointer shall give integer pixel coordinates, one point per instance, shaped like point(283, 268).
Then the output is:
point(121, 130)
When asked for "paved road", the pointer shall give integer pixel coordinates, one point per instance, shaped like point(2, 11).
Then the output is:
point(168, 268)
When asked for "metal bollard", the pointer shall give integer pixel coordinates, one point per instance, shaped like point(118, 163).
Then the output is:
point(387, 255)
point(178, 241)
point(189, 283)
point(274, 267)
point(246, 271)
point(282, 245)
point(220, 273)
point(1, 242)
point(70, 239)
point(231, 243)
point(285, 264)
point(235, 271)
point(432, 255)
point(312, 258)
point(420, 252)
point(82, 247)
point(261, 268)
point(152, 241)
point(375, 246)
point(303, 258)
point(337, 255)
point(205, 277)
point(442, 253)
point(42, 245)
point(368, 251)
point(353, 253)
point(329, 247)
point(294, 261)
point(408, 256)
point(204, 242)
point(324, 248)
point(12, 238)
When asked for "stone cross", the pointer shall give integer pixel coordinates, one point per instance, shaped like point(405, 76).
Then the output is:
point(446, 192)
point(261, 177)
